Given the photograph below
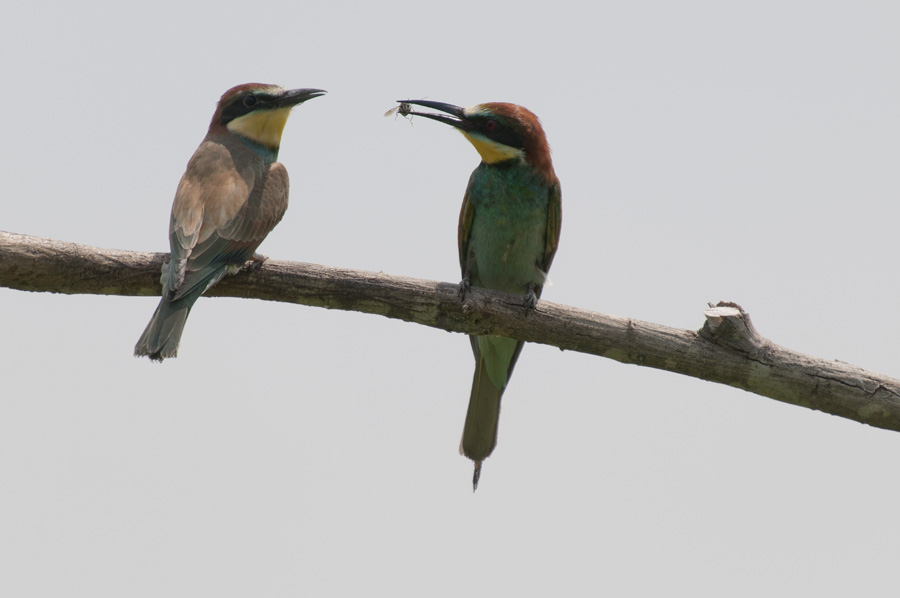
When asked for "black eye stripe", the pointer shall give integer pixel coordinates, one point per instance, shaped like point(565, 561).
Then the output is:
point(496, 129)
point(245, 104)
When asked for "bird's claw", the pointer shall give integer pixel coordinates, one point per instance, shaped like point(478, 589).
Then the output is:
point(464, 285)
point(531, 299)
point(255, 262)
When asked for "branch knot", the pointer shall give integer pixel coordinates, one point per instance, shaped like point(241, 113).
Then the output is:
point(728, 325)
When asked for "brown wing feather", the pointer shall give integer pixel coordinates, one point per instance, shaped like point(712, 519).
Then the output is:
point(261, 211)
point(466, 215)
point(222, 213)
point(554, 225)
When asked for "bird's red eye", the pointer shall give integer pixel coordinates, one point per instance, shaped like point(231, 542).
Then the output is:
point(490, 125)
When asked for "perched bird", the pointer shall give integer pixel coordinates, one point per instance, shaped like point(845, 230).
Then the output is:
point(231, 196)
point(508, 233)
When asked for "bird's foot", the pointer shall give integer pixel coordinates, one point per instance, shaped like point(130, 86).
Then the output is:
point(531, 299)
point(464, 285)
point(255, 262)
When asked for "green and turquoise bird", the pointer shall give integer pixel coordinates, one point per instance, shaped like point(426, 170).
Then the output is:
point(231, 196)
point(508, 234)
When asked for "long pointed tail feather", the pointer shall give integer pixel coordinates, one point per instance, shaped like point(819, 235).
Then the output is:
point(483, 415)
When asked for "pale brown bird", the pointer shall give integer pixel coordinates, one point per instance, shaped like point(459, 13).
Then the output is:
point(231, 196)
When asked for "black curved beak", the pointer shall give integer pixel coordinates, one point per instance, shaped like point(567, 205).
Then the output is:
point(294, 97)
point(456, 119)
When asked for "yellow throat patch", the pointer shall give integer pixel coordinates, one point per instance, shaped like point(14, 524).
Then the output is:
point(491, 151)
point(263, 127)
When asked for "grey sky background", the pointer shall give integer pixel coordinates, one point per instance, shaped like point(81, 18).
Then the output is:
point(707, 150)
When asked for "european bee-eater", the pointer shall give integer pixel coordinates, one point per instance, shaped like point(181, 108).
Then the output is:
point(508, 233)
point(231, 196)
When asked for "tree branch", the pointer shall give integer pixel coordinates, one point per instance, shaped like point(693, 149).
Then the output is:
point(726, 350)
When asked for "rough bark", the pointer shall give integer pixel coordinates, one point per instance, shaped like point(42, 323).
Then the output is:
point(726, 350)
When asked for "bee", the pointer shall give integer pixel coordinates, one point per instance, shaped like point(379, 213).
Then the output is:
point(403, 109)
